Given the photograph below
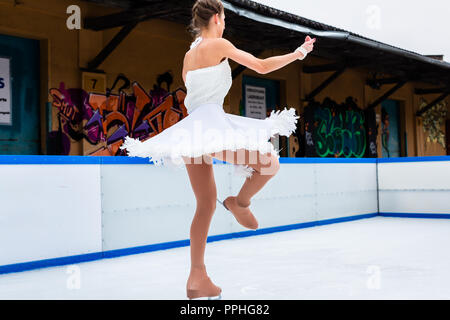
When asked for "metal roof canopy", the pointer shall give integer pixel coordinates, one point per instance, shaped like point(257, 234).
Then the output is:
point(255, 27)
point(337, 35)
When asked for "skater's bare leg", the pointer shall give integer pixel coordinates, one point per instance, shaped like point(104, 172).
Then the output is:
point(265, 166)
point(201, 176)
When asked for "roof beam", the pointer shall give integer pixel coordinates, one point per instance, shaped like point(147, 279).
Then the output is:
point(387, 94)
point(431, 104)
point(324, 84)
point(431, 90)
point(124, 4)
point(126, 17)
point(323, 68)
point(113, 44)
point(375, 83)
point(335, 66)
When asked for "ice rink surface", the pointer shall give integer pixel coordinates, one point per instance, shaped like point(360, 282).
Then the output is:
point(375, 258)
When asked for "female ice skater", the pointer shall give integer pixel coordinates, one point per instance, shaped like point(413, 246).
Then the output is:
point(209, 132)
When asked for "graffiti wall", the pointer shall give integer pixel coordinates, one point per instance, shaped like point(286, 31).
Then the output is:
point(101, 121)
point(339, 130)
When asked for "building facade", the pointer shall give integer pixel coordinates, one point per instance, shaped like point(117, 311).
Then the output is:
point(58, 105)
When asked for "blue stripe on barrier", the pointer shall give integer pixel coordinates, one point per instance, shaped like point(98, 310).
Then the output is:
point(61, 159)
point(124, 160)
point(25, 266)
point(146, 248)
point(288, 227)
point(53, 159)
point(327, 160)
point(414, 159)
point(26, 159)
point(166, 245)
point(415, 215)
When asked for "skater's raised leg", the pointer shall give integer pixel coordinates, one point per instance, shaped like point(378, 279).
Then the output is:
point(265, 166)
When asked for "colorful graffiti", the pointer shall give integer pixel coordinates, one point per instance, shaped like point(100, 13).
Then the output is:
point(103, 120)
point(339, 130)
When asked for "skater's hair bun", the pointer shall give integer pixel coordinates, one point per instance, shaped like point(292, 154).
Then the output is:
point(202, 11)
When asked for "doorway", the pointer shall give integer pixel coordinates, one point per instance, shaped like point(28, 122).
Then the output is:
point(390, 129)
point(19, 96)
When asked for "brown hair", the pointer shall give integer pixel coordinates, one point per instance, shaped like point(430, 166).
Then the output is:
point(202, 11)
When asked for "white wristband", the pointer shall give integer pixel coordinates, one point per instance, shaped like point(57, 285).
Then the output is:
point(302, 50)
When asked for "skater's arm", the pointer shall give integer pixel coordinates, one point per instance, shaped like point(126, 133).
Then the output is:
point(266, 65)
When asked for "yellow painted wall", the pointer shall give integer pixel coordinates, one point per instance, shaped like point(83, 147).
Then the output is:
point(46, 21)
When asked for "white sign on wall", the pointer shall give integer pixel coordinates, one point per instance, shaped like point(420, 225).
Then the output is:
point(255, 102)
point(5, 92)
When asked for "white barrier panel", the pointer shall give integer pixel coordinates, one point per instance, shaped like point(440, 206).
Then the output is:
point(49, 211)
point(345, 189)
point(419, 187)
point(145, 205)
point(286, 199)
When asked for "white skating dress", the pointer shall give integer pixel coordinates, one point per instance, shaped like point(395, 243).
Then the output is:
point(208, 128)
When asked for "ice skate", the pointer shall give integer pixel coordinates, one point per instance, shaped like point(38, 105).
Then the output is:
point(204, 290)
point(243, 215)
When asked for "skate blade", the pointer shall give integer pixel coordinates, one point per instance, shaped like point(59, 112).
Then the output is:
point(223, 204)
point(219, 297)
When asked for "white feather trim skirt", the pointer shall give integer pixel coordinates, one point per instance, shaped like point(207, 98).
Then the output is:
point(208, 129)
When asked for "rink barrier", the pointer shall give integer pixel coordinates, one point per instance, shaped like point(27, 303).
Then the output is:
point(54, 262)
point(96, 255)
point(416, 187)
